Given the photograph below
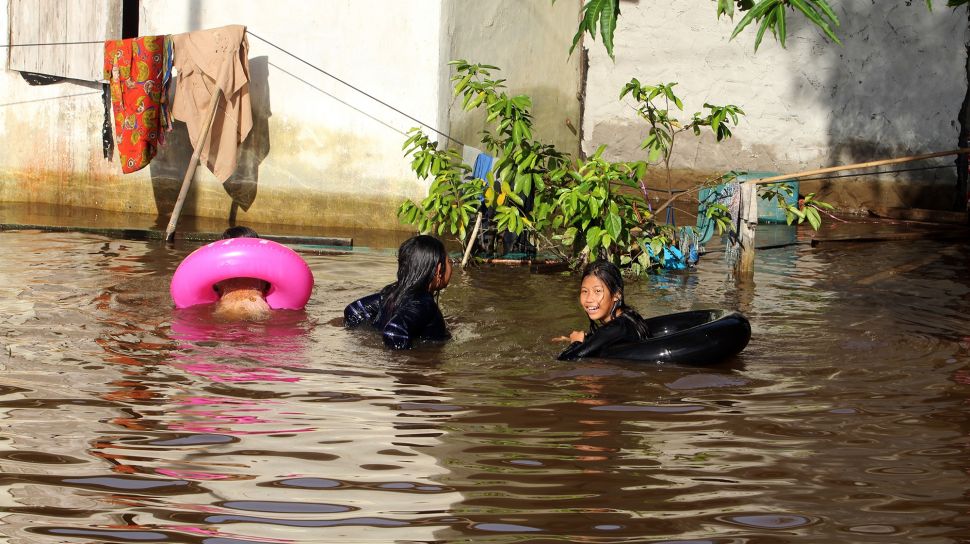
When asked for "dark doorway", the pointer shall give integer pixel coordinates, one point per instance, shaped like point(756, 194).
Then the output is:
point(129, 19)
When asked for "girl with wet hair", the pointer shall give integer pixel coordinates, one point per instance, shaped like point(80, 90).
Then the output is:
point(611, 321)
point(406, 310)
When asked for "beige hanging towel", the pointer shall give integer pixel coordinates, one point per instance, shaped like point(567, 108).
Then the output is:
point(207, 60)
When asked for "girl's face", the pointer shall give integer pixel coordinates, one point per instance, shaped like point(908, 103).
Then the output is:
point(596, 298)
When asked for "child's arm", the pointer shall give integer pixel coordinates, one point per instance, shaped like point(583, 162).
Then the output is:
point(591, 344)
point(362, 310)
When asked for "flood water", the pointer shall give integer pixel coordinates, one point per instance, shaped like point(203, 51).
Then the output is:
point(846, 419)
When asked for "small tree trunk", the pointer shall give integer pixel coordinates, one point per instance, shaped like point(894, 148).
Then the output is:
point(961, 201)
point(746, 231)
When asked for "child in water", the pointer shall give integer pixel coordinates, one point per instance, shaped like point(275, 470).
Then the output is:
point(406, 310)
point(242, 299)
point(611, 321)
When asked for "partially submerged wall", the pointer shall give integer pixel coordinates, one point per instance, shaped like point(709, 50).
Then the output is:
point(321, 153)
point(894, 88)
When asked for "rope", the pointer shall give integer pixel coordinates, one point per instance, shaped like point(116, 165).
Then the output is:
point(321, 70)
point(50, 98)
point(361, 91)
point(312, 86)
point(877, 173)
point(43, 44)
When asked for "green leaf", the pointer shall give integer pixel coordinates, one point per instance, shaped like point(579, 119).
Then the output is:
point(780, 24)
point(613, 224)
point(608, 24)
point(604, 12)
point(752, 15)
point(569, 236)
point(593, 236)
point(809, 11)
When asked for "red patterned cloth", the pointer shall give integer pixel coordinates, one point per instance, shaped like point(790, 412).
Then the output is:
point(138, 70)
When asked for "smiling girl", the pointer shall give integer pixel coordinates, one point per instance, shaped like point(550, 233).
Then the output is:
point(611, 321)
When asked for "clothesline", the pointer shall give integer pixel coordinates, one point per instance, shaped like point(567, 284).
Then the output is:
point(321, 70)
point(48, 98)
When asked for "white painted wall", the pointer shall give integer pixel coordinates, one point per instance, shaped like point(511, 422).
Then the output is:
point(323, 153)
point(893, 89)
point(334, 155)
point(332, 135)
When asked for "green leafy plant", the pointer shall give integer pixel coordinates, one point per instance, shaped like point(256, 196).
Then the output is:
point(451, 199)
point(580, 209)
point(525, 167)
point(664, 128)
point(806, 210)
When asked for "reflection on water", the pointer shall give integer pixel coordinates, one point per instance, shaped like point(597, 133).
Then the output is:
point(128, 421)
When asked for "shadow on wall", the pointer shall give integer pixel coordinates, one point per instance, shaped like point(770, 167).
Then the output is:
point(895, 89)
point(169, 166)
point(241, 185)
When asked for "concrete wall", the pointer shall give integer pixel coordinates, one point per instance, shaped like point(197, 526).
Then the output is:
point(529, 41)
point(894, 89)
point(321, 153)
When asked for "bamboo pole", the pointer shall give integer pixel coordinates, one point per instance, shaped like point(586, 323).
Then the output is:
point(190, 171)
point(471, 240)
point(194, 161)
point(870, 164)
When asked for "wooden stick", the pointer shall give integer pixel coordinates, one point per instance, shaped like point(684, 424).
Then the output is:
point(471, 241)
point(190, 171)
point(746, 230)
point(869, 164)
point(194, 161)
point(906, 267)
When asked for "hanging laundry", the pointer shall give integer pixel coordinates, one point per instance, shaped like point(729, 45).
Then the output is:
point(135, 69)
point(483, 165)
point(205, 61)
point(469, 154)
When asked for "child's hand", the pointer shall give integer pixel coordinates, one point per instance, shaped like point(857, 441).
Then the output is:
point(577, 336)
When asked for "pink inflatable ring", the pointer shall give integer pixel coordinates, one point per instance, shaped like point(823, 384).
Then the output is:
point(288, 275)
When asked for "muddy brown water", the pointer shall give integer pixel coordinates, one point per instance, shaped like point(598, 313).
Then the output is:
point(124, 420)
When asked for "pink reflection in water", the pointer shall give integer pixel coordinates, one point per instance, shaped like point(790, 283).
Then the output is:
point(236, 352)
point(239, 351)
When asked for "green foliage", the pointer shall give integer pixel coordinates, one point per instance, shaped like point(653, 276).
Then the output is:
point(582, 209)
point(524, 165)
point(949, 4)
point(769, 14)
point(810, 206)
point(598, 216)
point(451, 200)
point(605, 13)
point(663, 128)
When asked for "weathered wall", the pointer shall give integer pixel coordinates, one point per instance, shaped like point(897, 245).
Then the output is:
point(48, 137)
point(321, 153)
point(893, 89)
point(530, 42)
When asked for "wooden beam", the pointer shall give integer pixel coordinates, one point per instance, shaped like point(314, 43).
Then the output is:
point(870, 164)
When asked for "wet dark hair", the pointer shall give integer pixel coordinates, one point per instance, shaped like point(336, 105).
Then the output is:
point(238, 231)
point(610, 275)
point(417, 259)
